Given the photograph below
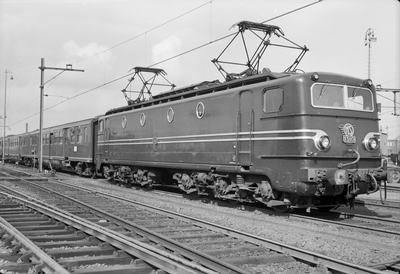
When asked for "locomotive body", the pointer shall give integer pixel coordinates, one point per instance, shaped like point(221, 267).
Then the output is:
point(295, 140)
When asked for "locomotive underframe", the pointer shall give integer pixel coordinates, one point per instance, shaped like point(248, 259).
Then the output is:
point(318, 188)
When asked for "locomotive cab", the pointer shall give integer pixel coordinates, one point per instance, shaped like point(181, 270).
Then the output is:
point(338, 156)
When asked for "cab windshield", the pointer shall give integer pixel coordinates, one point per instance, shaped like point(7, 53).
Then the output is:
point(325, 95)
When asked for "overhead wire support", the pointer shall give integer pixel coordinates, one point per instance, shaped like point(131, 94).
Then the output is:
point(379, 88)
point(42, 83)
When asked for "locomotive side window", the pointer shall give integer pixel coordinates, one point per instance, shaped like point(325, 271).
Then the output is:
point(101, 126)
point(200, 110)
point(273, 100)
point(124, 122)
point(326, 95)
point(142, 119)
point(170, 115)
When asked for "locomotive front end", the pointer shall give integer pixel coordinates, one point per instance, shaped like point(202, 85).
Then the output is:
point(345, 160)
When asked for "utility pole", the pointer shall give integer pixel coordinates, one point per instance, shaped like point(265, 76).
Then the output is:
point(42, 68)
point(379, 88)
point(5, 115)
point(369, 37)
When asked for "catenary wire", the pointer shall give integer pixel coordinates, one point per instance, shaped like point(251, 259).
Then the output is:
point(144, 33)
point(165, 60)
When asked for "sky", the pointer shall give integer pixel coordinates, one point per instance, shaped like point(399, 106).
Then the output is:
point(108, 38)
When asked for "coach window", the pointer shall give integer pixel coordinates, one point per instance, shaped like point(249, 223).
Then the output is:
point(73, 136)
point(61, 136)
point(68, 137)
point(79, 135)
point(273, 100)
point(85, 135)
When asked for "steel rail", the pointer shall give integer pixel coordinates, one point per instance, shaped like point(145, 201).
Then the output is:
point(41, 262)
point(354, 225)
point(156, 257)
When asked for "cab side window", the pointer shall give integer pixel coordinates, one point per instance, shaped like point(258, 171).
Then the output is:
point(101, 127)
point(273, 100)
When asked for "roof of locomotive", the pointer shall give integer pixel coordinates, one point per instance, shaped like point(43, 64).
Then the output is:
point(200, 89)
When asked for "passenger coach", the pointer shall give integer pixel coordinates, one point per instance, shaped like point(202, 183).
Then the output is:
point(69, 147)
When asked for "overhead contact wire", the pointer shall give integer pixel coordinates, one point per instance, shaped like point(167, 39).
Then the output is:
point(165, 60)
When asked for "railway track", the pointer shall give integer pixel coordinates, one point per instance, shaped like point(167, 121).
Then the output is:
point(43, 239)
point(393, 188)
point(384, 224)
point(219, 245)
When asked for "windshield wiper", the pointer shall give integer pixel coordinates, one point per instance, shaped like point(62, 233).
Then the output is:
point(354, 93)
point(322, 90)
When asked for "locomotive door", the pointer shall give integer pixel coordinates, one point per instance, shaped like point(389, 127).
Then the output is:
point(102, 141)
point(245, 128)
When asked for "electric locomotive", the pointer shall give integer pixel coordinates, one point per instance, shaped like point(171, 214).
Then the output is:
point(288, 140)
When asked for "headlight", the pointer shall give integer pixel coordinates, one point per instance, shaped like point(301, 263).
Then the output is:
point(324, 142)
point(315, 76)
point(371, 141)
point(368, 83)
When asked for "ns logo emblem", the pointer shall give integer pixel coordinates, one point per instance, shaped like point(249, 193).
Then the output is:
point(348, 131)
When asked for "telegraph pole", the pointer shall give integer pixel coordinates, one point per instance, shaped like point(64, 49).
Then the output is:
point(5, 115)
point(42, 68)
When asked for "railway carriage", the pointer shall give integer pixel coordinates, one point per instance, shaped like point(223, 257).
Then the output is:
point(69, 147)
